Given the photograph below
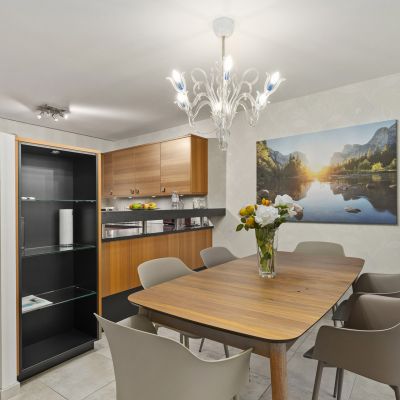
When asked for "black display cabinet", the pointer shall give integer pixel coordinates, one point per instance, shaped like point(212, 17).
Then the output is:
point(50, 179)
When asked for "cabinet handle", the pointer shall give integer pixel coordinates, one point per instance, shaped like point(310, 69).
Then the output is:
point(111, 192)
point(137, 191)
point(132, 191)
point(163, 189)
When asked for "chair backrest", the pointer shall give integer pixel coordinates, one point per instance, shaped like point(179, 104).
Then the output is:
point(213, 256)
point(320, 248)
point(161, 270)
point(377, 283)
point(149, 367)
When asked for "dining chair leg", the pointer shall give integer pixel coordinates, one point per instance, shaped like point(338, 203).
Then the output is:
point(201, 345)
point(340, 384)
point(186, 339)
point(336, 383)
point(317, 383)
point(226, 349)
point(396, 392)
point(181, 338)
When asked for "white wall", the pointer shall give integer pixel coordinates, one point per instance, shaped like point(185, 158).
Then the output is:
point(8, 331)
point(360, 103)
point(53, 135)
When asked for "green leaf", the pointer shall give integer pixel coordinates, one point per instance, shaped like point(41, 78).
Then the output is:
point(243, 220)
point(239, 227)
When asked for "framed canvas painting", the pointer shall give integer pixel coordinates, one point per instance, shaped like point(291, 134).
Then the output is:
point(346, 175)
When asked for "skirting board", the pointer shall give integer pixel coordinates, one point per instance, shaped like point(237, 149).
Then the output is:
point(10, 391)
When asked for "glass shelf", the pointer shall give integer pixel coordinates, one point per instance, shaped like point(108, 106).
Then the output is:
point(34, 200)
point(38, 251)
point(64, 295)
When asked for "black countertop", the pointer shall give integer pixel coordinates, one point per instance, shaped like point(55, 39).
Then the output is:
point(148, 215)
point(153, 229)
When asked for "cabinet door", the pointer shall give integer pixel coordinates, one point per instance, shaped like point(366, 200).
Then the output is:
point(199, 165)
point(123, 172)
point(147, 169)
point(175, 166)
point(107, 174)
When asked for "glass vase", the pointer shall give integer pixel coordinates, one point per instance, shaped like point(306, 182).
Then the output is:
point(267, 244)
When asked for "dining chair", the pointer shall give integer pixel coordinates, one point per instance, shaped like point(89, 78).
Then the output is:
point(149, 367)
point(373, 283)
point(368, 344)
point(211, 257)
point(321, 249)
point(159, 270)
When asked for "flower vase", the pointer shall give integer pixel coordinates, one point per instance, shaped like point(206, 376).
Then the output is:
point(266, 251)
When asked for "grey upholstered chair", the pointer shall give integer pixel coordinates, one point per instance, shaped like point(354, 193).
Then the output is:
point(211, 257)
point(159, 270)
point(320, 248)
point(368, 345)
point(149, 367)
point(378, 284)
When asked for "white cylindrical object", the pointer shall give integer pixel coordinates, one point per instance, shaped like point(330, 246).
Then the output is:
point(66, 227)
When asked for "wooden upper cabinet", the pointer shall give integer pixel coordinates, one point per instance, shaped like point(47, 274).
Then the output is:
point(107, 174)
point(184, 166)
point(147, 169)
point(123, 173)
point(179, 165)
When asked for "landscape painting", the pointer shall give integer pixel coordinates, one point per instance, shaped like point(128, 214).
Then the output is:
point(346, 175)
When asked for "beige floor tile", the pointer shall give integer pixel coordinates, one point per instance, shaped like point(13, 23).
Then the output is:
point(366, 389)
point(80, 377)
point(107, 392)
point(35, 390)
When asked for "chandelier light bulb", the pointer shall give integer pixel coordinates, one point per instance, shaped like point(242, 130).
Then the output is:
point(65, 116)
point(182, 100)
point(179, 82)
point(228, 64)
point(39, 116)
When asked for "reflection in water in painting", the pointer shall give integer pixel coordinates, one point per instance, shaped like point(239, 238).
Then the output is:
point(360, 198)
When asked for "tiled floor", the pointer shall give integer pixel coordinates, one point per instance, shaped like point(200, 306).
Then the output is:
point(91, 376)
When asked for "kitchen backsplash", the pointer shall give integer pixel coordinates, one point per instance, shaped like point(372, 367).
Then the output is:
point(164, 203)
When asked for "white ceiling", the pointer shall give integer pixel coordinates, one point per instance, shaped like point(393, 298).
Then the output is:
point(107, 59)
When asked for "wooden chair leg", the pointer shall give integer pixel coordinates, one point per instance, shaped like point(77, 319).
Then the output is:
point(340, 384)
point(201, 345)
point(317, 383)
point(226, 349)
point(335, 390)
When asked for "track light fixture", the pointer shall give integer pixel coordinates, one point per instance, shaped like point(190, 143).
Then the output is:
point(52, 112)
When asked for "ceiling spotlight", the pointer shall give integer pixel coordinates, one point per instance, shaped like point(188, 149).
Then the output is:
point(51, 112)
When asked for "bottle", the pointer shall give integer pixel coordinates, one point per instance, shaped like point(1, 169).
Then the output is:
point(174, 201)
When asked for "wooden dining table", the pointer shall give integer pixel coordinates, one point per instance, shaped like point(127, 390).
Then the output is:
point(232, 304)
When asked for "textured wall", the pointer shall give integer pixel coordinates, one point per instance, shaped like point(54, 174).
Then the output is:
point(360, 103)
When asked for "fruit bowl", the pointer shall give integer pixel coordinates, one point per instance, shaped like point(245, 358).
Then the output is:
point(143, 206)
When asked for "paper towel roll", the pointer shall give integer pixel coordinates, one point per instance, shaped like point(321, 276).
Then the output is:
point(66, 227)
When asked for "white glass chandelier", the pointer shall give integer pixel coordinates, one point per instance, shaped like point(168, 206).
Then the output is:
point(222, 92)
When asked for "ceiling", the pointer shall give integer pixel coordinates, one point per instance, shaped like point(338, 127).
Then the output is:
point(107, 59)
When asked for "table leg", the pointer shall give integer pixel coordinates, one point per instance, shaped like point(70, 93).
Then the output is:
point(278, 368)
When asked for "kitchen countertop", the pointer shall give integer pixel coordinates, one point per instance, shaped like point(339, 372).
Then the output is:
point(147, 215)
point(153, 229)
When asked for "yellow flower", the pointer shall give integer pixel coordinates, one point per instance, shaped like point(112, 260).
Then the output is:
point(243, 211)
point(250, 222)
point(250, 209)
point(265, 202)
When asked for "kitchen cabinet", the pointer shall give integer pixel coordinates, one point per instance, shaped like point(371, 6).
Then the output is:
point(184, 166)
point(107, 174)
point(157, 169)
point(146, 169)
point(121, 258)
point(123, 172)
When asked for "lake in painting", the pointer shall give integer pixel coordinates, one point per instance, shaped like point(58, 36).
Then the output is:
point(346, 175)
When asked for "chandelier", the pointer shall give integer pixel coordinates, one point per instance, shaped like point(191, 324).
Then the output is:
point(222, 91)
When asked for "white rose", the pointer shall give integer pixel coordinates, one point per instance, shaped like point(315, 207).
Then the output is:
point(284, 200)
point(266, 215)
point(296, 209)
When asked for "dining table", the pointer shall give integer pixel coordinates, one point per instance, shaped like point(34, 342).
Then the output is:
point(230, 303)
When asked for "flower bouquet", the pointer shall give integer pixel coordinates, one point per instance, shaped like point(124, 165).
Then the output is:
point(265, 219)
